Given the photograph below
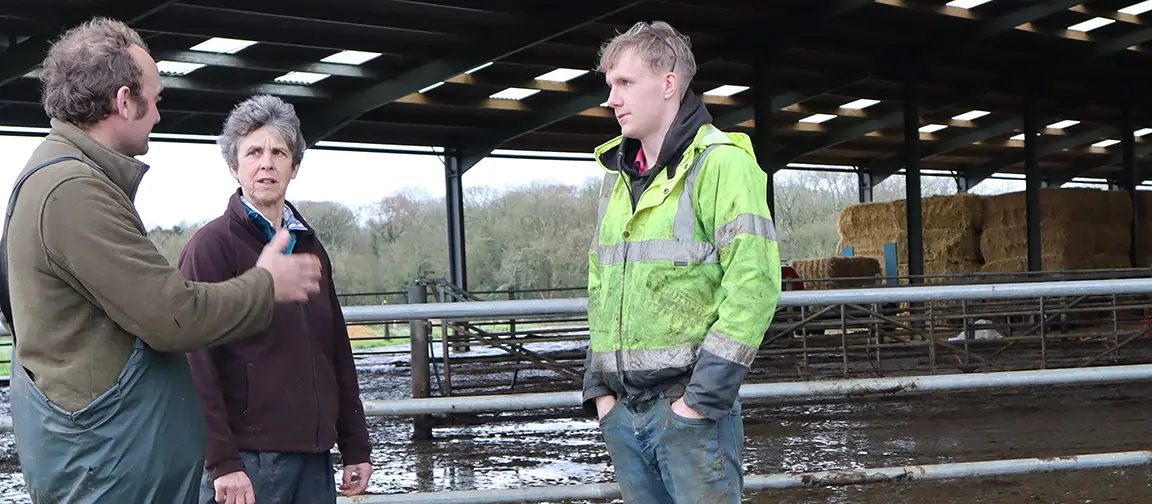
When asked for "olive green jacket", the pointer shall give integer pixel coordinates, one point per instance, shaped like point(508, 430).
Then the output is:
point(86, 281)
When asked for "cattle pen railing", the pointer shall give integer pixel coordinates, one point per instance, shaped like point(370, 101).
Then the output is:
point(421, 406)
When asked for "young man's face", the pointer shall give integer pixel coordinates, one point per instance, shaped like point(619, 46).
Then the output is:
point(639, 95)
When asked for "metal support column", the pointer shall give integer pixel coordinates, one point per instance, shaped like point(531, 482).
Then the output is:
point(1032, 185)
point(962, 184)
point(421, 377)
point(915, 218)
point(454, 197)
point(1128, 181)
point(865, 186)
point(762, 89)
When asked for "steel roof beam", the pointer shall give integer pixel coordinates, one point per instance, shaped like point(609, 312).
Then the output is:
point(563, 19)
point(784, 30)
point(29, 54)
point(976, 174)
point(1064, 176)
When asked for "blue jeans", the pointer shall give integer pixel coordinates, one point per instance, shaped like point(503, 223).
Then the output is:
point(663, 458)
point(283, 478)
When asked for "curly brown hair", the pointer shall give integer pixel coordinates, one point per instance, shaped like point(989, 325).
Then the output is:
point(86, 66)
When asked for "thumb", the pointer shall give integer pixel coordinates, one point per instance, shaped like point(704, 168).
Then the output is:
point(279, 242)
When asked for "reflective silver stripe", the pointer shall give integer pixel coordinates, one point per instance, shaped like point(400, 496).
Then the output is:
point(643, 360)
point(684, 227)
point(723, 346)
point(744, 224)
point(658, 250)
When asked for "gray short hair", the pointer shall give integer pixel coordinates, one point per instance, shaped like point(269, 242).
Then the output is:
point(85, 67)
point(659, 46)
point(255, 113)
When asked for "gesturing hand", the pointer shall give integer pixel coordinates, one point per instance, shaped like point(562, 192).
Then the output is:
point(295, 277)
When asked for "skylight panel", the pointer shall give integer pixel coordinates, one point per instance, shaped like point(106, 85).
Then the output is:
point(177, 67)
point(932, 128)
point(351, 57)
point(514, 94)
point(561, 75)
point(860, 104)
point(1137, 8)
point(303, 78)
point(1068, 123)
point(1091, 24)
point(23, 129)
point(1106, 143)
point(818, 118)
point(429, 88)
point(971, 115)
point(221, 45)
point(479, 68)
point(726, 90)
point(966, 4)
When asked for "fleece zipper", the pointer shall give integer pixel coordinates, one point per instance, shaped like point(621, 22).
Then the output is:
point(315, 388)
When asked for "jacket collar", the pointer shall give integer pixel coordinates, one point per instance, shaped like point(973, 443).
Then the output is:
point(125, 172)
point(238, 212)
point(619, 153)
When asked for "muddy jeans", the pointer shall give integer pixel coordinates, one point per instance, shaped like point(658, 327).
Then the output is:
point(663, 458)
point(284, 478)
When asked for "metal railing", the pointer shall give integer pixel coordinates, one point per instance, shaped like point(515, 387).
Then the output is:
point(791, 480)
point(422, 406)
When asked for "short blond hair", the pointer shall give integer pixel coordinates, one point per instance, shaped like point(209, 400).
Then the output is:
point(660, 47)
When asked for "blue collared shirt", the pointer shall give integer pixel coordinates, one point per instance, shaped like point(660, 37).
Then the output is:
point(289, 221)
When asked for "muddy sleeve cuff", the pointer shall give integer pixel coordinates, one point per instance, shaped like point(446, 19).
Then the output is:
point(714, 386)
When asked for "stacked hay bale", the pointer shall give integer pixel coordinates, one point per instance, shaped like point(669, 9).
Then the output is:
point(1144, 229)
point(837, 272)
point(1080, 229)
point(952, 226)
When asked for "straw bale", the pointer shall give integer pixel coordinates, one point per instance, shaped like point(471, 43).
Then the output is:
point(866, 219)
point(1056, 262)
point(959, 211)
point(852, 272)
point(1002, 243)
point(1059, 206)
point(1144, 200)
point(938, 268)
point(950, 245)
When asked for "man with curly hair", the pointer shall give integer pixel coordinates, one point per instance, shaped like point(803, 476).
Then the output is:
point(104, 406)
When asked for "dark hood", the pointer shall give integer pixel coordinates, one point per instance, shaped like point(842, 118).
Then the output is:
point(691, 116)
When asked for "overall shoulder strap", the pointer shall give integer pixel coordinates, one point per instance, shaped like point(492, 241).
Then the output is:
point(5, 295)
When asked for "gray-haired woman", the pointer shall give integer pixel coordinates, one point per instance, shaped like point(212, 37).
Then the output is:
point(277, 402)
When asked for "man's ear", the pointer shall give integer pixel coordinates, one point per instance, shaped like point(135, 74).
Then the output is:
point(671, 85)
point(124, 103)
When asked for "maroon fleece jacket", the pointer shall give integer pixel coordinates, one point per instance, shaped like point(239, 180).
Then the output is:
point(289, 388)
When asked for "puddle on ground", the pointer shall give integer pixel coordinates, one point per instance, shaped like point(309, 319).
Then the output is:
point(562, 447)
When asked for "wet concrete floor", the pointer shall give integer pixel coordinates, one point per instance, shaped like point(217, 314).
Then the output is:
point(564, 447)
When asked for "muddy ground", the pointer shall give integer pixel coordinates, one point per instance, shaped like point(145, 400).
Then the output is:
point(564, 447)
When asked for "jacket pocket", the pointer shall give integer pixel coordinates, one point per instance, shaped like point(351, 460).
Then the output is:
point(667, 291)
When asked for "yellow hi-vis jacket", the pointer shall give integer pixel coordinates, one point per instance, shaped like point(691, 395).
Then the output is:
point(682, 290)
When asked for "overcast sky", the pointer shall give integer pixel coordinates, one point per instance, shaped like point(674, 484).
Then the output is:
point(190, 182)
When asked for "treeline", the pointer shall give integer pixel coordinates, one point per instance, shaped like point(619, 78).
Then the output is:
point(535, 236)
